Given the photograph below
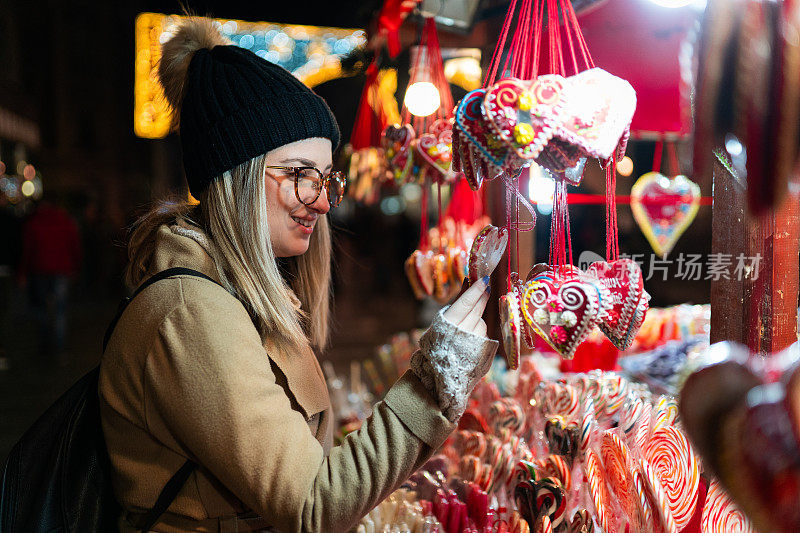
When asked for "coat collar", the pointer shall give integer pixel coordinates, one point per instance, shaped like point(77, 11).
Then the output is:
point(187, 246)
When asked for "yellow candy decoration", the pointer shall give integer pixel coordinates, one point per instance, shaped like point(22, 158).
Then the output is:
point(525, 102)
point(523, 133)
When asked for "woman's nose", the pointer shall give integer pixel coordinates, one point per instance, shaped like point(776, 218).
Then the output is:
point(321, 205)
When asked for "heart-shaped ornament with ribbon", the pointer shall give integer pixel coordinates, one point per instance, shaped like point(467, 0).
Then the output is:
point(664, 207)
point(563, 311)
point(524, 114)
point(396, 142)
point(629, 301)
point(476, 151)
point(435, 153)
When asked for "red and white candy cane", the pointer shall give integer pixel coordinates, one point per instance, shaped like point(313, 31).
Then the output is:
point(598, 491)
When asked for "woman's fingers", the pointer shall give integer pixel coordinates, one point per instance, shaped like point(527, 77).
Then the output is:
point(459, 310)
point(480, 328)
point(474, 316)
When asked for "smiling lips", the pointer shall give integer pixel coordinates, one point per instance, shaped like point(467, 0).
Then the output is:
point(306, 223)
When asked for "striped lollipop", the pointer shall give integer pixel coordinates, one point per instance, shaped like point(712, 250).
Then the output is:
point(642, 433)
point(666, 412)
point(556, 467)
point(598, 491)
point(551, 501)
point(642, 499)
point(657, 498)
point(586, 427)
point(673, 461)
point(506, 413)
point(616, 458)
point(720, 514)
point(616, 390)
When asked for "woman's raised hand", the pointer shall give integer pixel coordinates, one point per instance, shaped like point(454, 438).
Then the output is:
point(467, 311)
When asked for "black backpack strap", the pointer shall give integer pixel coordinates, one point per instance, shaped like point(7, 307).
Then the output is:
point(168, 494)
point(164, 274)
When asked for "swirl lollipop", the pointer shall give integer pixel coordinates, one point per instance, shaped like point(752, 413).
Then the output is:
point(720, 514)
point(657, 498)
point(616, 458)
point(673, 461)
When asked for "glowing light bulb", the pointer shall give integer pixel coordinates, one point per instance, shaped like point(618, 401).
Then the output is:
point(625, 166)
point(28, 188)
point(422, 99)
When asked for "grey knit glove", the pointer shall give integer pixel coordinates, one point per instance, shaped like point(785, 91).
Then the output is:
point(450, 362)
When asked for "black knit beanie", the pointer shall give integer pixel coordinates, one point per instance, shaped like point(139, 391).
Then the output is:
point(237, 106)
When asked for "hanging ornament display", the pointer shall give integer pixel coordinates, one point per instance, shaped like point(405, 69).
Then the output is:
point(420, 148)
point(376, 109)
point(552, 119)
point(664, 207)
point(528, 114)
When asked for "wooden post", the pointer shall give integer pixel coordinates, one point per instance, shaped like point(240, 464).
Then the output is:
point(759, 307)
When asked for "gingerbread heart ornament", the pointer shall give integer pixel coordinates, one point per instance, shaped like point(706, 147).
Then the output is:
point(435, 153)
point(396, 142)
point(557, 121)
point(564, 311)
point(598, 109)
point(628, 300)
point(664, 207)
point(476, 151)
point(525, 114)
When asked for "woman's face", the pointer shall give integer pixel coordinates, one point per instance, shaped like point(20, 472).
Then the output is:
point(291, 223)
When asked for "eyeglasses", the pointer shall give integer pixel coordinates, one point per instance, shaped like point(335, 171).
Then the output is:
point(309, 182)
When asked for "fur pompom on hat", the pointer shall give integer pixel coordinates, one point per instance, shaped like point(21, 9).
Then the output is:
point(231, 105)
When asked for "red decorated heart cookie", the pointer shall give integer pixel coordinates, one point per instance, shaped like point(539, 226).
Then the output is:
point(396, 142)
point(597, 113)
point(664, 207)
point(476, 151)
point(563, 311)
point(435, 153)
point(629, 301)
point(487, 251)
point(510, 323)
point(524, 114)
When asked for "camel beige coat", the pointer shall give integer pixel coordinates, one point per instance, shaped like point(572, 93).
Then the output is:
point(185, 375)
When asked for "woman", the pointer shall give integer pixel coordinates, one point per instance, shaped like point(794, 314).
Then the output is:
point(224, 374)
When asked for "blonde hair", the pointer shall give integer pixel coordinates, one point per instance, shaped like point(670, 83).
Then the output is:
point(233, 214)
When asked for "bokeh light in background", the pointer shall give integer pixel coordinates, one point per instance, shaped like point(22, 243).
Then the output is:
point(422, 99)
point(541, 188)
point(625, 166)
point(312, 53)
